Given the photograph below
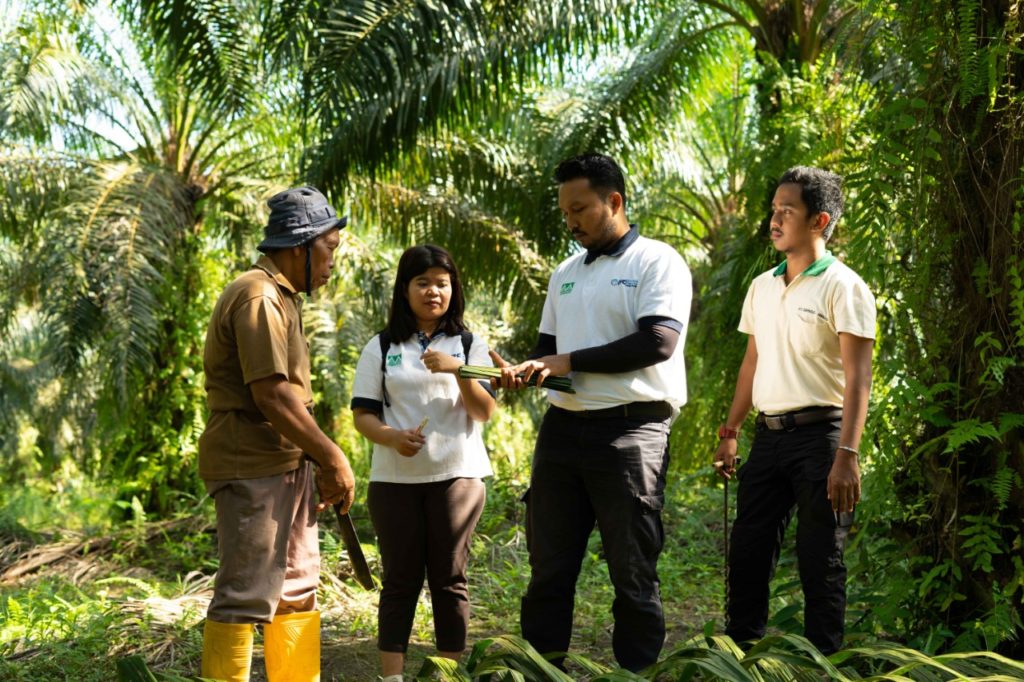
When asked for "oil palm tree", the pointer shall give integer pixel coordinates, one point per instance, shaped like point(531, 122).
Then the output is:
point(165, 147)
point(457, 139)
point(163, 156)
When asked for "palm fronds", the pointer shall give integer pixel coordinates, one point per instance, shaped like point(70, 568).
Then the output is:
point(555, 383)
point(209, 44)
point(784, 658)
point(111, 265)
point(506, 657)
point(41, 73)
point(380, 85)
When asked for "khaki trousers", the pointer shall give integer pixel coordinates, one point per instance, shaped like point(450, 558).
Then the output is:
point(268, 547)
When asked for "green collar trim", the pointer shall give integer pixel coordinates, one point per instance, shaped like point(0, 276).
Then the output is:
point(813, 270)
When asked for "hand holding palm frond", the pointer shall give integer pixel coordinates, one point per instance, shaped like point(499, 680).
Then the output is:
point(563, 384)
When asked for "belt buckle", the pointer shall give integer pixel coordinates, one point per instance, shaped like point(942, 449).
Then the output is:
point(774, 422)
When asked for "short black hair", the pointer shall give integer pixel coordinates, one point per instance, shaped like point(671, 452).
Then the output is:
point(604, 174)
point(414, 262)
point(820, 190)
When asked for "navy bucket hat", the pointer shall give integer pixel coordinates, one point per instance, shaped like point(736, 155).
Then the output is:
point(297, 217)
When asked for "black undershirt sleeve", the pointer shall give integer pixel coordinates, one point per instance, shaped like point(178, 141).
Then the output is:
point(546, 345)
point(654, 342)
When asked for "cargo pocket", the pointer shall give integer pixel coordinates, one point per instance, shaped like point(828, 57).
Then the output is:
point(650, 531)
point(651, 503)
point(525, 499)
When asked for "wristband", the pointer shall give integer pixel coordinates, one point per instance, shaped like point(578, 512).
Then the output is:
point(725, 432)
point(848, 449)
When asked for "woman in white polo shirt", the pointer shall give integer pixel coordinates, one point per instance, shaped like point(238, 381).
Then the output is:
point(425, 494)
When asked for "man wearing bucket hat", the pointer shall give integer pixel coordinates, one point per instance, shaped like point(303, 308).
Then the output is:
point(254, 455)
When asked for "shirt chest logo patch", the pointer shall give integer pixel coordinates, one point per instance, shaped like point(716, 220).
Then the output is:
point(394, 360)
point(625, 283)
point(566, 288)
point(812, 312)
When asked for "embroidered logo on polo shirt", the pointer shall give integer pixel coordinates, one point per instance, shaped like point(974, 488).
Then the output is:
point(394, 360)
point(811, 311)
point(625, 282)
point(566, 288)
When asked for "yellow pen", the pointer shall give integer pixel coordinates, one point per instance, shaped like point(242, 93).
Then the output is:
point(423, 423)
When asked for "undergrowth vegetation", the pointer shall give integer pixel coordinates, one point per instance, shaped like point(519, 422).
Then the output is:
point(139, 141)
point(85, 608)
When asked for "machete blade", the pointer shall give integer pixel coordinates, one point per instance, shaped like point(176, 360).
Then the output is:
point(355, 551)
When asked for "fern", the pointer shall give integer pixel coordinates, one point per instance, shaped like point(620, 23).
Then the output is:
point(1016, 281)
point(1002, 484)
point(969, 431)
point(967, 39)
point(1008, 421)
point(983, 541)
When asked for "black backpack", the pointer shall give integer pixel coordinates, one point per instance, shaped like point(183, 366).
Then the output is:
point(385, 345)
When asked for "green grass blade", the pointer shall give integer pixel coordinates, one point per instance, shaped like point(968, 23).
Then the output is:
point(591, 667)
point(134, 669)
point(443, 669)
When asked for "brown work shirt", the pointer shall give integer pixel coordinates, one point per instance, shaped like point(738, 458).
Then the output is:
point(255, 332)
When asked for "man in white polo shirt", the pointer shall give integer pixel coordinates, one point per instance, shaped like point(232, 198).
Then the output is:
point(807, 371)
point(615, 319)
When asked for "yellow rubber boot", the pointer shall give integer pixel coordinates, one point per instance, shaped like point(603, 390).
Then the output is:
point(291, 647)
point(227, 651)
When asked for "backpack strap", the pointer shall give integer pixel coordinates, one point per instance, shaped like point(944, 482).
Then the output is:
point(385, 346)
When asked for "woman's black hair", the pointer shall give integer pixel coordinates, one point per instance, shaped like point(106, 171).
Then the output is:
point(414, 262)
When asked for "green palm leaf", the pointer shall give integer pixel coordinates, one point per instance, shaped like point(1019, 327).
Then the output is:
point(41, 73)
point(207, 43)
point(388, 71)
point(511, 657)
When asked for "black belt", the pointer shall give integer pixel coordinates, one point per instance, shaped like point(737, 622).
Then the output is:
point(657, 409)
point(791, 420)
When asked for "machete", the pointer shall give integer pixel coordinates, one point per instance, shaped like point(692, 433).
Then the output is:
point(355, 551)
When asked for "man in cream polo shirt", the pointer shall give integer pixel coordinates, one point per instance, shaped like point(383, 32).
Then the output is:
point(807, 371)
point(615, 319)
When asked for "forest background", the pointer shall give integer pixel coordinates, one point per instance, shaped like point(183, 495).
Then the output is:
point(139, 141)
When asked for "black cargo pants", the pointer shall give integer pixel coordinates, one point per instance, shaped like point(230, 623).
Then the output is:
point(610, 471)
point(787, 471)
